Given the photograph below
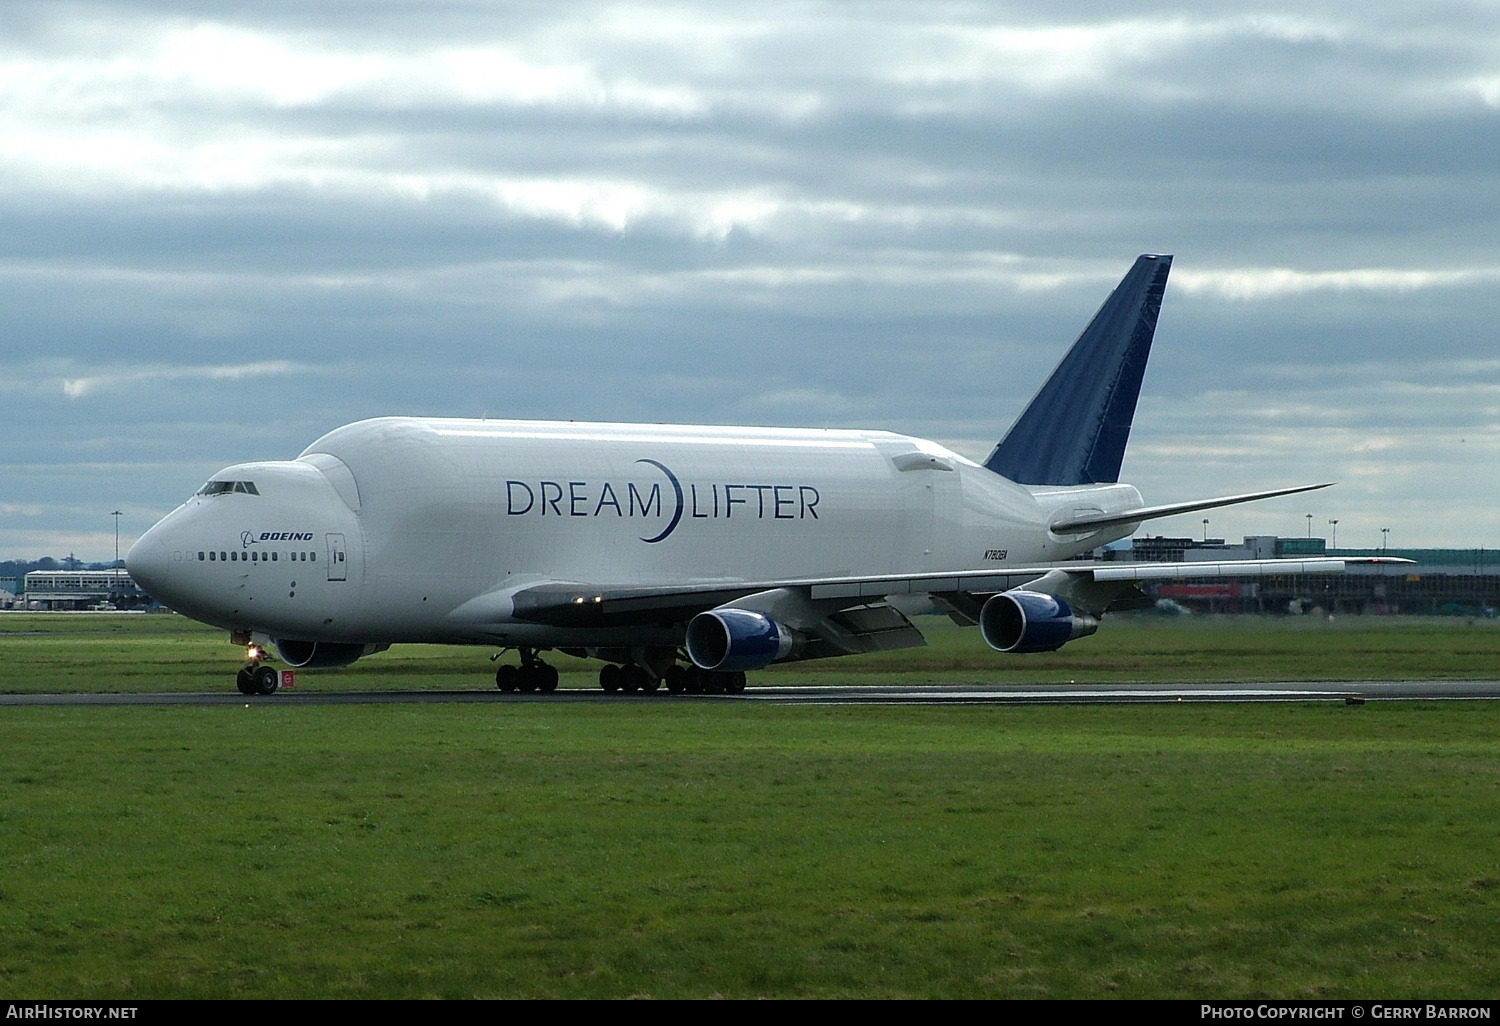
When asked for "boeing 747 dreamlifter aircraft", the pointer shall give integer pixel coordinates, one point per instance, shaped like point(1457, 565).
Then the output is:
point(677, 554)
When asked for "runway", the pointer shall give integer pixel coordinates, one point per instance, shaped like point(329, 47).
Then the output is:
point(1352, 692)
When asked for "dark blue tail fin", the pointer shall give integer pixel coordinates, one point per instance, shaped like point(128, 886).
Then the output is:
point(1075, 430)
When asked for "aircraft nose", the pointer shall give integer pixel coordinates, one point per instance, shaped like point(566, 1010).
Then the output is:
point(149, 562)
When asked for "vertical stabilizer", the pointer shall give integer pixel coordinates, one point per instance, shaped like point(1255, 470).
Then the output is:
point(1075, 429)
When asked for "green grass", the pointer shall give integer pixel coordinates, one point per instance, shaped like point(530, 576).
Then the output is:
point(124, 652)
point(682, 850)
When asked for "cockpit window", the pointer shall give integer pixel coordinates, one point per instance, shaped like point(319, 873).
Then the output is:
point(221, 487)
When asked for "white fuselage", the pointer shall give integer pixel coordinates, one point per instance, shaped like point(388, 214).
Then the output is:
point(401, 529)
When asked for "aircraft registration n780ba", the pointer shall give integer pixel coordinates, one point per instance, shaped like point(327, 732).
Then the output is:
point(680, 555)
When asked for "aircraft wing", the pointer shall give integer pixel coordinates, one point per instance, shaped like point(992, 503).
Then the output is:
point(1090, 586)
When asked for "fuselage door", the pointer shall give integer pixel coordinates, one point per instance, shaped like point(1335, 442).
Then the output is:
point(338, 566)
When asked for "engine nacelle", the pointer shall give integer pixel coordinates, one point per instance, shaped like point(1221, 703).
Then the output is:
point(322, 655)
point(736, 639)
point(1028, 621)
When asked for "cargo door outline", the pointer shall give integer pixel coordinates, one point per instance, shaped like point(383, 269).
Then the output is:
point(338, 566)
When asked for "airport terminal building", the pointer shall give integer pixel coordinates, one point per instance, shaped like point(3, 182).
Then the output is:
point(81, 589)
point(1456, 582)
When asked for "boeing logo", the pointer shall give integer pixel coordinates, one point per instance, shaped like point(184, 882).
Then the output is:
point(249, 538)
point(695, 501)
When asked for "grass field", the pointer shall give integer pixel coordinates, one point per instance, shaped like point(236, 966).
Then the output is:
point(125, 652)
point(679, 849)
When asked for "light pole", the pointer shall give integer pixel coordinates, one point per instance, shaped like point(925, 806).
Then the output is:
point(1385, 539)
point(117, 514)
point(1333, 534)
point(1309, 525)
point(1205, 530)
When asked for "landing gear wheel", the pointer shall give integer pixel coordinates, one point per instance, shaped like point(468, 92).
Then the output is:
point(677, 679)
point(531, 675)
point(245, 681)
point(636, 677)
point(546, 677)
point(630, 677)
point(267, 680)
point(609, 677)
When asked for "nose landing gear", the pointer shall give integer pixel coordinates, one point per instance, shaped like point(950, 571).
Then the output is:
point(257, 679)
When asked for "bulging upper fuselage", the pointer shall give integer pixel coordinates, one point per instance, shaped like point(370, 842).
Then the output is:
point(401, 529)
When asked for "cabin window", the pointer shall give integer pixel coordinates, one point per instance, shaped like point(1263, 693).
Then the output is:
point(211, 555)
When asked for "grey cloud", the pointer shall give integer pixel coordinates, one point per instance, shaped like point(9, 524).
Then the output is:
point(825, 214)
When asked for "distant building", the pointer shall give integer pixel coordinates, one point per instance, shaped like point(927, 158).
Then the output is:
point(1161, 549)
point(83, 589)
point(1462, 582)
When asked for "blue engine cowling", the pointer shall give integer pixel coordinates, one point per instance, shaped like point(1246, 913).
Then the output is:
point(1028, 621)
point(322, 655)
point(736, 639)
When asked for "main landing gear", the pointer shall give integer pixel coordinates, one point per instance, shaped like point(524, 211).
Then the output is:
point(679, 680)
point(642, 671)
point(647, 668)
point(531, 675)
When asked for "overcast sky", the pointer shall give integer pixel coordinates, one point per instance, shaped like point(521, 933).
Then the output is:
point(226, 228)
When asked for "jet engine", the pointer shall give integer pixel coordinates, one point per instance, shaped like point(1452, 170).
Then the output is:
point(736, 639)
point(322, 655)
point(1028, 621)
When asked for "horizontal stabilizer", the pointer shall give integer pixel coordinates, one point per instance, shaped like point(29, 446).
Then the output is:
point(1100, 521)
